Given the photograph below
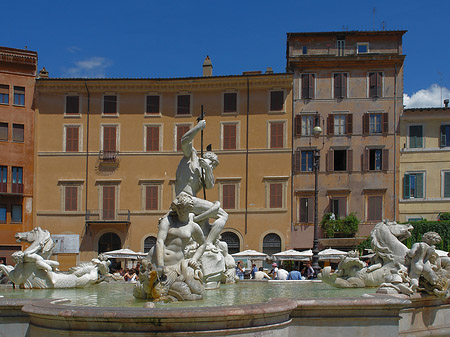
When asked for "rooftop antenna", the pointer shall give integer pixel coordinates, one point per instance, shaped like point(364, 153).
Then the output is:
point(440, 84)
point(383, 25)
point(373, 18)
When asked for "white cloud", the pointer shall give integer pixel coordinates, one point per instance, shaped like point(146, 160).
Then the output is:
point(431, 97)
point(73, 49)
point(93, 67)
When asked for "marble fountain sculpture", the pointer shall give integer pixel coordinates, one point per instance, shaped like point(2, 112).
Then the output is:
point(34, 269)
point(188, 256)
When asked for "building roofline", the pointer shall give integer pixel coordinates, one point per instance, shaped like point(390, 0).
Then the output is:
point(426, 109)
point(24, 52)
point(349, 32)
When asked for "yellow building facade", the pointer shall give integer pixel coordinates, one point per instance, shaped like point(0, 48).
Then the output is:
point(424, 163)
point(107, 152)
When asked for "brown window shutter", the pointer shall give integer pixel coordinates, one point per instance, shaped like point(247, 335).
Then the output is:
point(297, 157)
point(71, 198)
point(3, 131)
point(109, 138)
point(310, 210)
point(311, 85)
point(110, 104)
point(151, 197)
point(229, 196)
point(379, 84)
point(330, 124)
point(385, 159)
point(72, 104)
point(365, 119)
point(276, 100)
point(152, 138)
point(305, 86)
point(276, 198)
point(230, 102)
point(342, 207)
point(152, 104)
point(349, 126)
point(109, 202)
point(372, 84)
point(183, 104)
point(344, 84)
point(337, 85)
point(229, 137)
point(365, 160)
point(72, 139)
point(385, 121)
point(349, 160)
point(276, 135)
point(298, 125)
point(330, 161)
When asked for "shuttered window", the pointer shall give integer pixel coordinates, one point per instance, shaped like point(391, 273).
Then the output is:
point(152, 106)
point(229, 102)
point(340, 85)
point(415, 136)
point(181, 130)
point(229, 196)
point(110, 104)
point(109, 202)
point(276, 135)
point(152, 141)
point(183, 105)
point(374, 208)
point(306, 210)
point(4, 94)
point(276, 100)
point(19, 96)
point(445, 136)
point(297, 125)
point(308, 84)
point(151, 197)
point(72, 138)
point(72, 105)
point(276, 196)
point(16, 213)
point(3, 178)
point(4, 131)
point(109, 138)
point(413, 185)
point(18, 133)
point(446, 184)
point(71, 198)
point(229, 137)
point(338, 206)
point(375, 84)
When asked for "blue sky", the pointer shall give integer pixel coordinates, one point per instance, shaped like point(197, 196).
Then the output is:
point(147, 39)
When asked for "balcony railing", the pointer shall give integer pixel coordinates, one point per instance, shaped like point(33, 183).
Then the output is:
point(14, 188)
point(107, 215)
point(108, 156)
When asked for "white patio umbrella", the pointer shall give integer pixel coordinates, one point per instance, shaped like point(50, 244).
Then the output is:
point(331, 254)
point(250, 254)
point(293, 255)
point(124, 253)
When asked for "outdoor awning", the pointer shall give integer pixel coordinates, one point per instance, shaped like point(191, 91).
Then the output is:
point(249, 254)
point(125, 253)
point(293, 255)
point(331, 254)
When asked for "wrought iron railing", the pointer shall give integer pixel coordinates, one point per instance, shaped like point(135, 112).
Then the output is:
point(108, 215)
point(108, 156)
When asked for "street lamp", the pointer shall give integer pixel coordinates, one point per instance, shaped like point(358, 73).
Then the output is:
point(317, 131)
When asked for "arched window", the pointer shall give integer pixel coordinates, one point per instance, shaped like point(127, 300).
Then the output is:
point(149, 242)
point(109, 241)
point(232, 241)
point(271, 244)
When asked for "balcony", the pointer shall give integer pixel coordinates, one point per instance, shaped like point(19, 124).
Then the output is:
point(107, 156)
point(15, 188)
point(120, 216)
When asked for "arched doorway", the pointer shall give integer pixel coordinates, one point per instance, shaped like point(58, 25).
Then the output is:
point(108, 242)
point(271, 244)
point(149, 243)
point(232, 241)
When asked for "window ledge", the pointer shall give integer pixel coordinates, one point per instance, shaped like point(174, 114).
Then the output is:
point(422, 200)
point(72, 115)
point(426, 149)
point(152, 115)
point(116, 115)
point(183, 115)
point(277, 112)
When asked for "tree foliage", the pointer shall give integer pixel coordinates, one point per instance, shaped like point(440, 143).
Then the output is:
point(346, 227)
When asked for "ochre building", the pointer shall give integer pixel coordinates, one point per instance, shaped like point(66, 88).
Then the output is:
point(107, 152)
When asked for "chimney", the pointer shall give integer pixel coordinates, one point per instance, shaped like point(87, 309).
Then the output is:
point(446, 103)
point(43, 73)
point(207, 67)
point(269, 70)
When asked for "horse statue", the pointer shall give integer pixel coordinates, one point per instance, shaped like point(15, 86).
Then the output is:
point(34, 269)
point(388, 264)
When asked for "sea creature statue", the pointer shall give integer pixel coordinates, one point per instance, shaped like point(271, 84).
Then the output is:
point(394, 267)
point(34, 269)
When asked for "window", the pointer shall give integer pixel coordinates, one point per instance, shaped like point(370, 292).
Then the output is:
point(149, 243)
point(413, 185)
point(340, 85)
point(339, 124)
point(181, 130)
point(306, 164)
point(277, 100)
point(375, 84)
point(229, 136)
point(338, 206)
point(415, 136)
point(230, 102)
point(445, 135)
point(4, 131)
point(19, 96)
point(446, 184)
point(151, 197)
point(308, 85)
point(340, 45)
point(17, 182)
point(276, 195)
point(71, 198)
point(183, 104)
point(306, 210)
point(18, 133)
point(109, 139)
point(339, 160)
point(229, 196)
point(232, 241)
point(152, 138)
point(375, 123)
point(4, 94)
point(152, 104)
point(362, 47)
point(3, 178)
point(109, 202)
point(110, 104)
point(305, 50)
point(276, 135)
point(271, 244)
point(16, 213)
point(2, 213)
point(374, 208)
point(72, 105)
point(72, 138)
point(307, 125)
point(375, 162)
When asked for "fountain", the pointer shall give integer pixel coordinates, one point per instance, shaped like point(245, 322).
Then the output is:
point(412, 299)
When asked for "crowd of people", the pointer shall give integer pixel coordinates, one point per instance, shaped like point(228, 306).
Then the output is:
point(128, 274)
point(284, 272)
